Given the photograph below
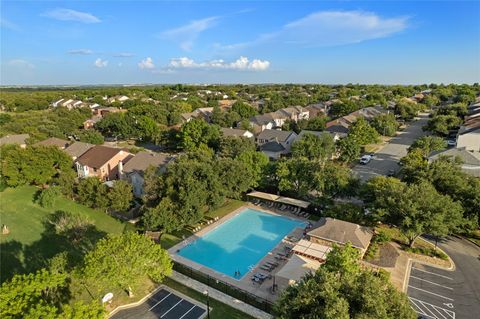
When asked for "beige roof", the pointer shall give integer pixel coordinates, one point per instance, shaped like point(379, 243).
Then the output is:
point(312, 250)
point(234, 132)
point(297, 267)
point(262, 195)
point(293, 202)
point(78, 149)
point(53, 141)
point(339, 231)
point(142, 160)
point(14, 139)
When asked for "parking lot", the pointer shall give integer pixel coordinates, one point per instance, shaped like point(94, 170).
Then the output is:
point(431, 292)
point(163, 304)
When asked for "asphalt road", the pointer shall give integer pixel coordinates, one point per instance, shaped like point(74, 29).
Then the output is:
point(441, 294)
point(388, 156)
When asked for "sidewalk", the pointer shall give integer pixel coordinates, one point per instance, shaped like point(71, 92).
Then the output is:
point(220, 296)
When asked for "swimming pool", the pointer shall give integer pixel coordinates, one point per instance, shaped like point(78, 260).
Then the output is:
point(240, 242)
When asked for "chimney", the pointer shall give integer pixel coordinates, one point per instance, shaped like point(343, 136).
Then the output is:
point(120, 169)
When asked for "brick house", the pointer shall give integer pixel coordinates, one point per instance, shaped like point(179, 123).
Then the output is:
point(102, 161)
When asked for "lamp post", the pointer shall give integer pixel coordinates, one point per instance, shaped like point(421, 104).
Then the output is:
point(208, 303)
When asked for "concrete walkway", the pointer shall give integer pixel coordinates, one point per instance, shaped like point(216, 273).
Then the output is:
point(220, 296)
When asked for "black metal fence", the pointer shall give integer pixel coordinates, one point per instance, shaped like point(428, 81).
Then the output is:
point(226, 288)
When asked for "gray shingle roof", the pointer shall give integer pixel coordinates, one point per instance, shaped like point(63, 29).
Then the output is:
point(232, 132)
point(270, 135)
point(142, 160)
point(272, 147)
point(77, 149)
point(469, 158)
point(14, 139)
point(340, 231)
point(53, 141)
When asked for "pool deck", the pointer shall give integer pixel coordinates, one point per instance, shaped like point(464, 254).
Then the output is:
point(262, 290)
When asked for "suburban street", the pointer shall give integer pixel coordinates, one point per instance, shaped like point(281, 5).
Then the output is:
point(439, 294)
point(388, 156)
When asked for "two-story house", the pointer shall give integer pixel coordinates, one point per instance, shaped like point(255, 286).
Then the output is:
point(275, 143)
point(102, 162)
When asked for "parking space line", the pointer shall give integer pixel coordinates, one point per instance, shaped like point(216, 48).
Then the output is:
point(159, 302)
point(429, 272)
point(172, 308)
point(429, 292)
point(187, 312)
point(431, 282)
point(445, 313)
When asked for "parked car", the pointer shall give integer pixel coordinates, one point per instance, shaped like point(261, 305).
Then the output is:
point(365, 159)
point(451, 143)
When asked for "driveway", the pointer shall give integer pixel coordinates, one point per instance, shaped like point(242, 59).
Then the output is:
point(438, 294)
point(388, 156)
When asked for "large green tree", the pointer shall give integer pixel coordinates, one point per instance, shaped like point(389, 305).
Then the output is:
point(313, 147)
point(385, 124)
point(197, 132)
point(124, 261)
point(341, 289)
point(120, 196)
point(362, 132)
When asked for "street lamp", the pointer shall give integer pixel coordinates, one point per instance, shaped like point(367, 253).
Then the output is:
point(205, 292)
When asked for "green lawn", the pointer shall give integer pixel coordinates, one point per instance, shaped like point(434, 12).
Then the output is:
point(31, 241)
point(170, 240)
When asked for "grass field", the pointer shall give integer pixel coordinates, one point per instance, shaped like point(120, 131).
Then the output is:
point(31, 242)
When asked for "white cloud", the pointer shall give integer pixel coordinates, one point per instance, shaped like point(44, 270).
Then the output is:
point(146, 63)
point(4, 23)
point(72, 15)
point(99, 63)
point(123, 55)
point(328, 28)
point(20, 63)
point(186, 35)
point(242, 63)
point(81, 51)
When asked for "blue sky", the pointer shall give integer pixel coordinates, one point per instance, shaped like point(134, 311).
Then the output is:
point(115, 42)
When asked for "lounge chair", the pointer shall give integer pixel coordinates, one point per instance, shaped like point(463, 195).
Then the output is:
point(273, 263)
point(266, 268)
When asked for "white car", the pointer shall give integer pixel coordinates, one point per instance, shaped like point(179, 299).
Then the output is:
point(365, 159)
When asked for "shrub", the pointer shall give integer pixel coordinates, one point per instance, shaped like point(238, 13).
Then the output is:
point(72, 225)
point(49, 196)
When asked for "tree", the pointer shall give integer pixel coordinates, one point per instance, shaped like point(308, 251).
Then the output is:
point(243, 109)
point(442, 124)
point(120, 196)
point(90, 136)
point(362, 132)
point(406, 110)
point(255, 162)
point(414, 165)
point(23, 293)
point(92, 192)
point(125, 261)
point(232, 147)
point(428, 144)
point(296, 175)
point(343, 107)
point(197, 132)
point(385, 124)
point(314, 147)
point(316, 123)
point(349, 149)
point(163, 217)
point(234, 176)
point(342, 289)
point(332, 180)
point(49, 196)
point(72, 225)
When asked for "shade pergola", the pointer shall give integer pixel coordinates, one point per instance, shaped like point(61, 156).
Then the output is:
point(296, 268)
point(311, 250)
point(280, 199)
point(293, 202)
point(262, 195)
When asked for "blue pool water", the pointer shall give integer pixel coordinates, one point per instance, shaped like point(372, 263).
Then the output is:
point(239, 242)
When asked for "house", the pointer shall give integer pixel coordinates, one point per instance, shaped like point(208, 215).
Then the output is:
point(338, 130)
point(102, 111)
point(204, 113)
point(118, 98)
point(90, 123)
point(330, 231)
point(102, 161)
point(468, 135)
point(470, 159)
point(275, 143)
point(133, 170)
point(262, 122)
point(77, 149)
point(19, 139)
point(234, 132)
point(226, 104)
point(316, 110)
point(58, 142)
